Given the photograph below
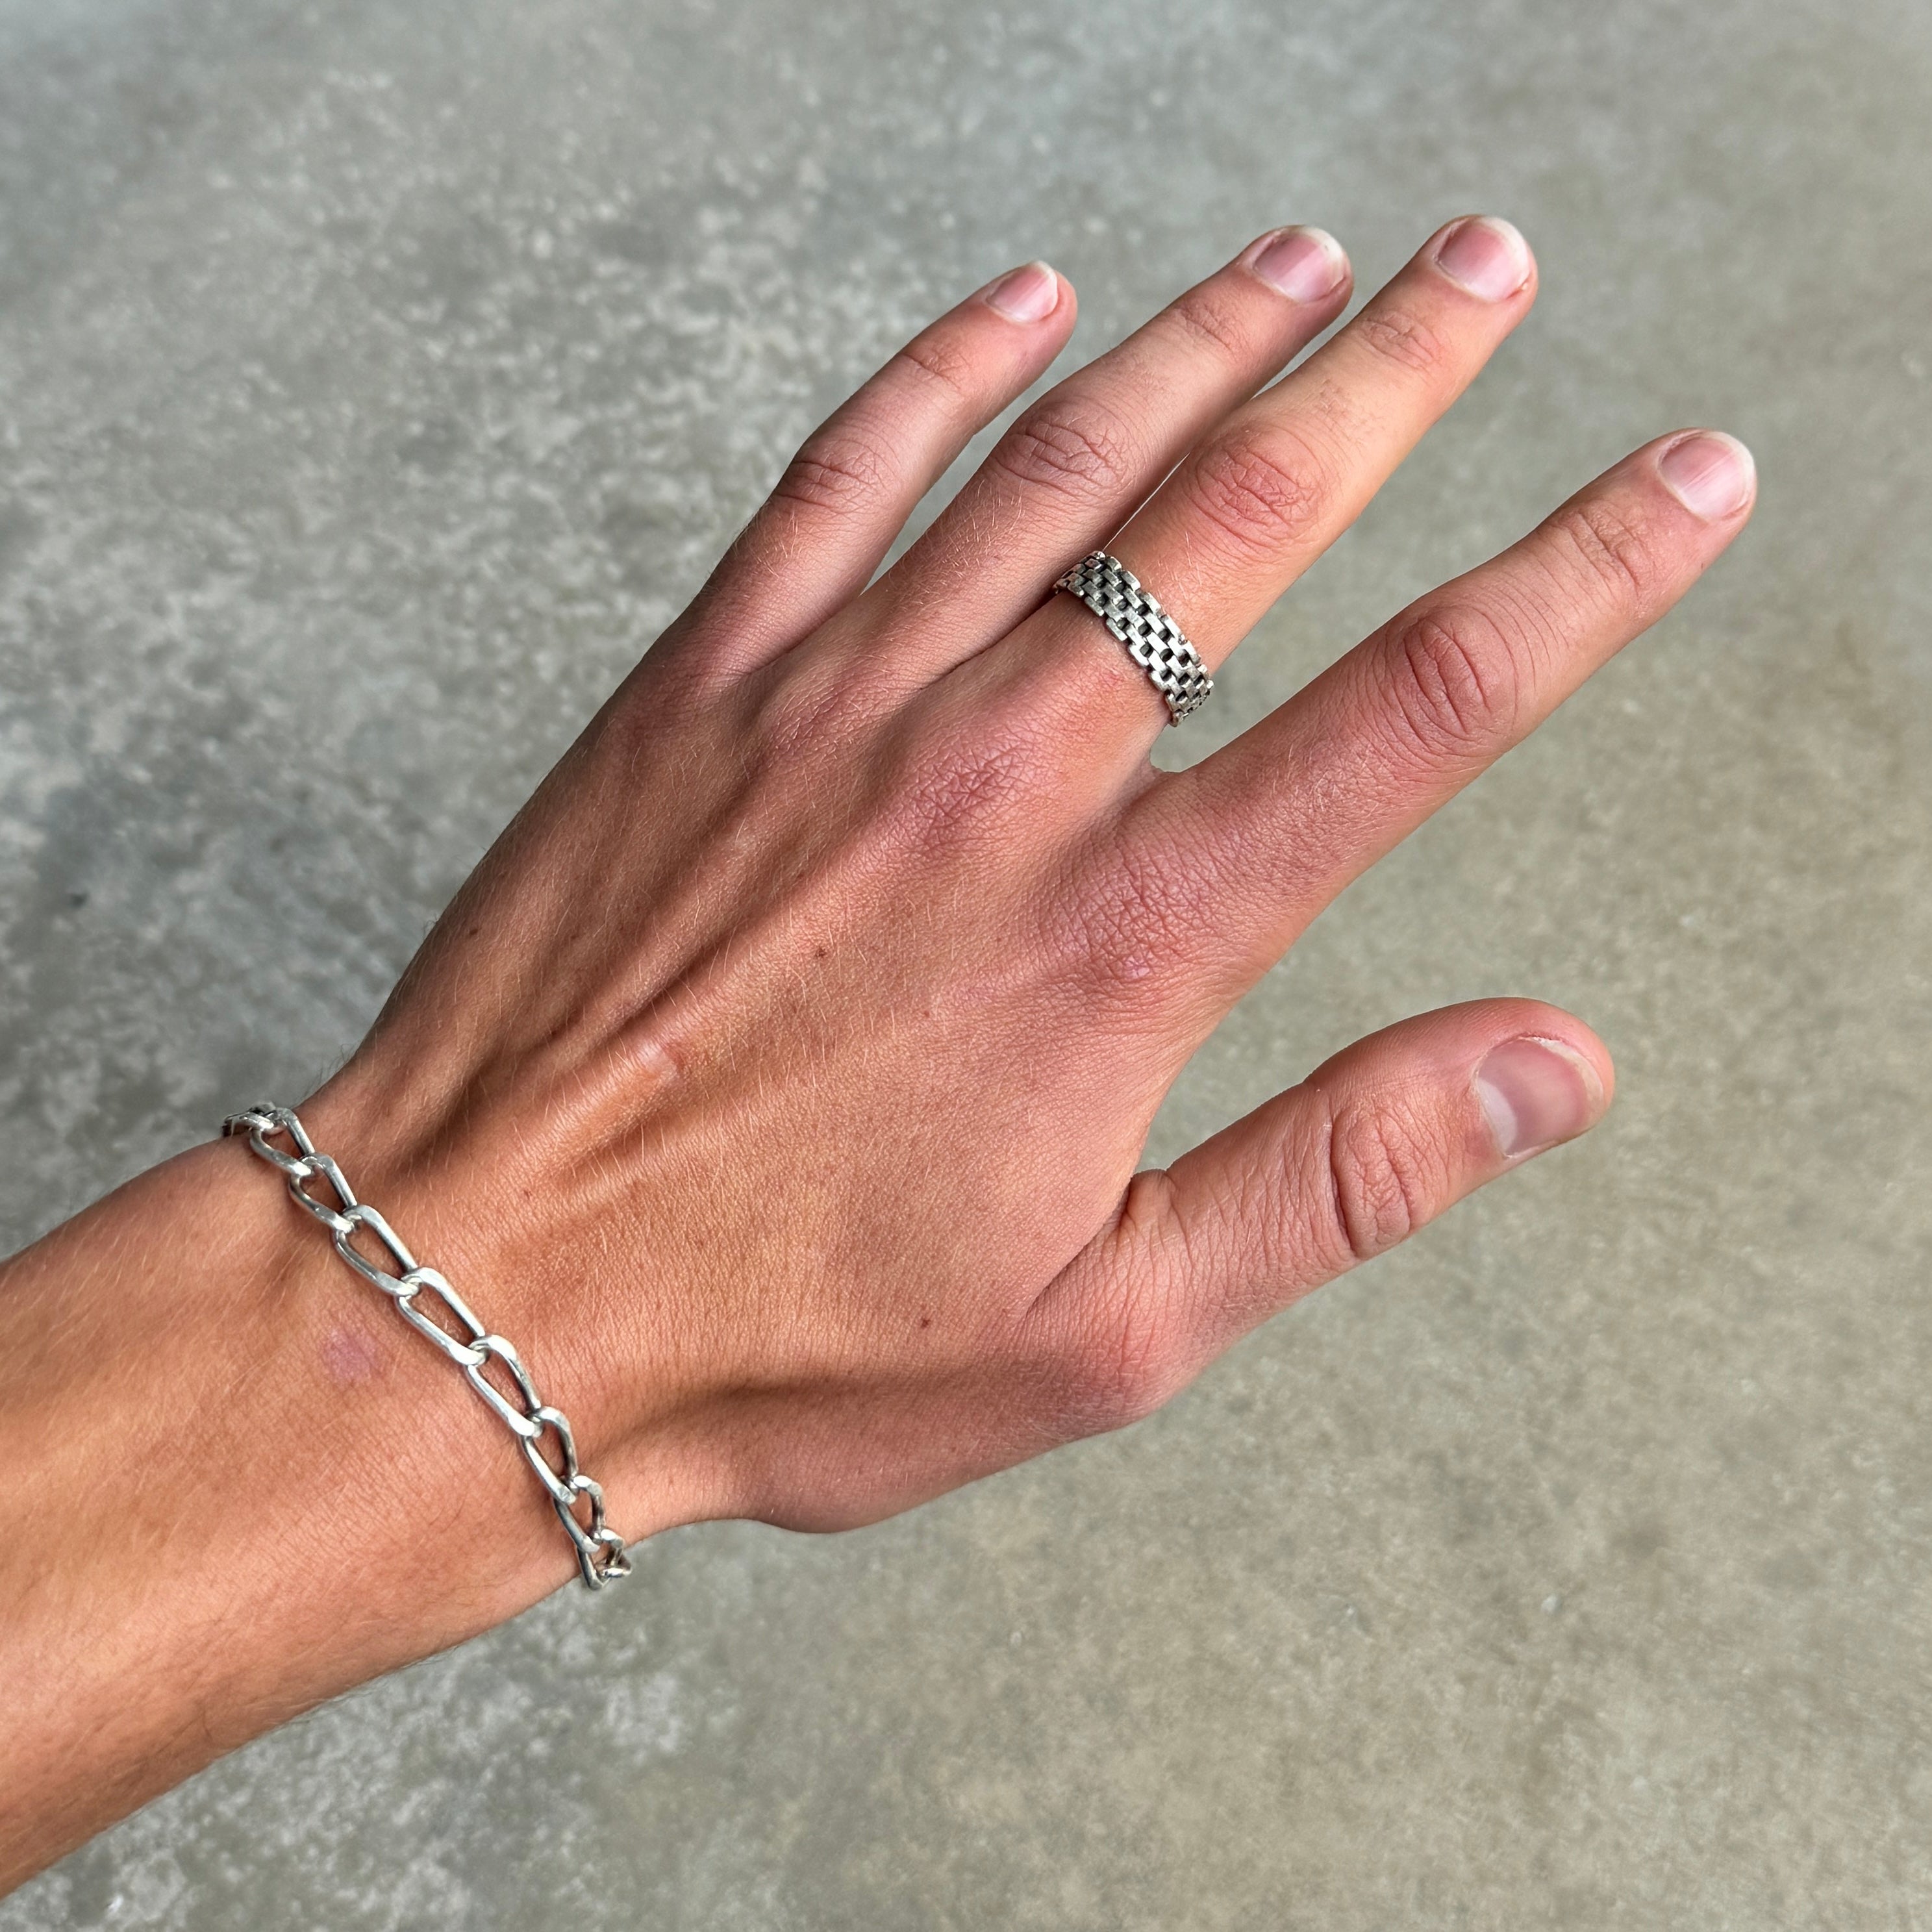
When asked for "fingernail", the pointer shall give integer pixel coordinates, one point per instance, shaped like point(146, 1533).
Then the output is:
point(1028, 294)
point(1485, 256)
point(1304, 264)
point(1710, 473)
point(1535, 1093)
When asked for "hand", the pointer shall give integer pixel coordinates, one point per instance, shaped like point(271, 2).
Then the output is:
point(782, 1073)
point(778, 1081)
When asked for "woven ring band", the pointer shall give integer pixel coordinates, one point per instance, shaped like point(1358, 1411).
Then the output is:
point(1153, 640)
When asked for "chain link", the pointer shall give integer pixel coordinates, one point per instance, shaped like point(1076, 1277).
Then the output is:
point(413, 1290)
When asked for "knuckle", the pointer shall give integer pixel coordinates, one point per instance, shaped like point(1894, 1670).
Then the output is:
point(1130, 1361)
point(1142, 912)
point(1132, 1377)
point(1115, 1380)
point(1400, 337)
point(1263, 493)
point(836, 473)
point(955, 794)
point(1381, 1174)
point(935, 360)
point(806, 712)
point(1209, 320)
point(1072, 449)
point(1454, 684)
point(1617, 553)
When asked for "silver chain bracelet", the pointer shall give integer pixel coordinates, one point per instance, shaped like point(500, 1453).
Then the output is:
point(600, 1549)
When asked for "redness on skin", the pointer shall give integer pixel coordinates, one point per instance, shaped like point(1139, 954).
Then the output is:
point(350, 1358)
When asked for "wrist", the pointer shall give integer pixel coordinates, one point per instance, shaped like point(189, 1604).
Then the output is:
point(234, 1493)
point(493, 1198)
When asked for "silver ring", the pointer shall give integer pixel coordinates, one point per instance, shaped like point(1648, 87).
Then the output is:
point(1153, 640)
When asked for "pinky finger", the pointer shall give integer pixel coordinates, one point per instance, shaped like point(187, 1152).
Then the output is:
point(824, 529)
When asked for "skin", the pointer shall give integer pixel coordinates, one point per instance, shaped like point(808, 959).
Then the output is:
point(779, 1081)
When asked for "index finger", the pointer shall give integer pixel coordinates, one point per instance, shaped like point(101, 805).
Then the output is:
point(1308, 798)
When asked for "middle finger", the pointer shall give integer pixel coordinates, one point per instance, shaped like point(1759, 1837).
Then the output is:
point(1256, 501)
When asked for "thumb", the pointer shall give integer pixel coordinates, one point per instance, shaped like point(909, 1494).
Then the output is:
point(1375, 1143)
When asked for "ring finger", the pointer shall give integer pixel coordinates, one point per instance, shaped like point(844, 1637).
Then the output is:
point(1080, 458)
point(1250, 507)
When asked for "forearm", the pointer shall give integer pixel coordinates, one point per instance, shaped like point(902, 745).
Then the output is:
point(235, 1486)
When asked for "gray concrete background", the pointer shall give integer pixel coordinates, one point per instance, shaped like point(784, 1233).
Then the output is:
point(375, 380)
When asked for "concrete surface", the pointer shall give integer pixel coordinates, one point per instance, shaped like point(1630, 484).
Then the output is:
point(375, 379)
